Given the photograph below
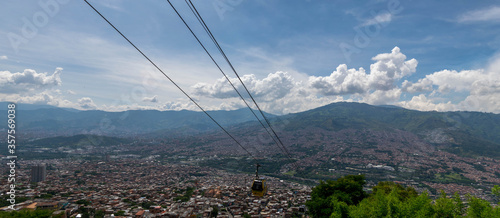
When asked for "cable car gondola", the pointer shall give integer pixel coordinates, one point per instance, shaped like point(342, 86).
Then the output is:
point(259, 186)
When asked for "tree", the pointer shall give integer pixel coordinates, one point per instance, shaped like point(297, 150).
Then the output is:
point(479, 208)
point(341, 199)
point(393, 200)
point(214, 212)
point(340, 209)
point(496, 190)
point(27, 213)
point(328, 195)
point(444, 206)
point(83, 201)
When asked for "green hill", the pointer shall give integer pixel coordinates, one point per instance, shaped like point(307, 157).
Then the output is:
point(464, 133)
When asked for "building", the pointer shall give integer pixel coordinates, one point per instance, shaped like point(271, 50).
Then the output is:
point(38, 173)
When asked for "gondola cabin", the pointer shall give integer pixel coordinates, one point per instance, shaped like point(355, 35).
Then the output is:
point(259, 187)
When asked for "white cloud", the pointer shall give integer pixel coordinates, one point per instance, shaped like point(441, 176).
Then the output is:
point(43, 98)
point(341, 81)
point(486, 14)
point(382, 97)
point(481, 88)
point(87, 103)
point(71, 92)
point(274, 86)
point(278, 93)
point(484, 96)
point(4, 57)
point(179, 105)
point(450, 80)
point(282, 93)
point(153, 99)
point(422, 103)
point(447, 80)
point(422, 85)
point(388, 68)
point(28, 80)
point(379, 19)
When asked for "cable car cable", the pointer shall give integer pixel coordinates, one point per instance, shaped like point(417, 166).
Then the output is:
point(172, 81)
point(207, 30)
point(220, 69)
point(225, 75)
point(205, 26)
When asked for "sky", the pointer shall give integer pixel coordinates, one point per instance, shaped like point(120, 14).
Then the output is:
point(291, 55)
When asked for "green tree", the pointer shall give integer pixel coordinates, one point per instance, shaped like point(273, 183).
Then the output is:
point(393, 200)
point(340, 209)
point(147, 204)
point(459, 209)
point(214, 212)
point(83, 201)
point(347, 189)
point(402, 192)
point(99, 214)
point(479, 208)
point(447, 207)
point(27, 214)
point(496, 190)
point(338, 199)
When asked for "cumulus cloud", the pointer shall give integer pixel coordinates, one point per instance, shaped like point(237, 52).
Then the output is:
point(481, 88)
point(388, 68)
point(220, 89)
point(43, 98)
point(486, 14)
point(422, 85)
point(274, 86)
point(278, 93)
point(341, 81)
point(153, 99)
point(4, 57)
point(484, 96)
point(179, 105)
point(451, 80)
point(422, 103)
point(39, 98)
point(28, 80)
point(381, 97)
point(86, 103)
point(281, 93)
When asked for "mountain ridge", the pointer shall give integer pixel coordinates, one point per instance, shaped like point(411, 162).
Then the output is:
point(464, 133)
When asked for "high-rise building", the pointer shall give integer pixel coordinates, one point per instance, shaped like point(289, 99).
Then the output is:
point(38, 173)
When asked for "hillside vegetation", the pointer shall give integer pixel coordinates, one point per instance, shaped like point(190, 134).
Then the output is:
point(345, 198)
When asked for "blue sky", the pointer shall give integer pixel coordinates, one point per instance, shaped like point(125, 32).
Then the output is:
point(293, 55)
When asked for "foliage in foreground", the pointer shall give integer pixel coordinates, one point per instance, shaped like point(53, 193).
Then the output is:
point(27, 213)
point(345, 198)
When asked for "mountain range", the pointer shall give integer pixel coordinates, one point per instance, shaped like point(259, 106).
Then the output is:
point(464, 133)
point(42, 121)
